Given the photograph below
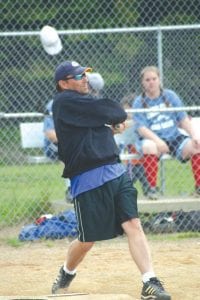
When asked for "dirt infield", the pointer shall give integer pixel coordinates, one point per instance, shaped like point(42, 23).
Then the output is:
point(72, 296)
point(107, 271)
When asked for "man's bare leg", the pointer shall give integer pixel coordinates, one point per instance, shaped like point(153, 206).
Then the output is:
point(138, 245)
point(76, 252)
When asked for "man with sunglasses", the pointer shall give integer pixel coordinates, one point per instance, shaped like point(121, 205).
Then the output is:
point(105, 201)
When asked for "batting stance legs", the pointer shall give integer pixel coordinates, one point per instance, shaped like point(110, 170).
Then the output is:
point(137, 244)
point(136, 239)
point(105, 200)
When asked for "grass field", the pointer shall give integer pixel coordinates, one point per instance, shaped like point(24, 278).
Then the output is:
point(28, 190)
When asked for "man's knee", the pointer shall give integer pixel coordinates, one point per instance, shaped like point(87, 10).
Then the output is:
point(132, 225)
point(86, 246)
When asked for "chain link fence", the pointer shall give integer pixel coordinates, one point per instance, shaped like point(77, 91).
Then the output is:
point(117, 39)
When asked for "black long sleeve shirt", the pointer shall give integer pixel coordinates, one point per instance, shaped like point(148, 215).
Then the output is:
point(84, 140)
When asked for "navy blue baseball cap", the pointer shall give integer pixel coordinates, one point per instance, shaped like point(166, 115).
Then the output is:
point(67, 68)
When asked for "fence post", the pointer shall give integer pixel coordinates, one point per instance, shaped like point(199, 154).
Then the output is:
point(160, 56)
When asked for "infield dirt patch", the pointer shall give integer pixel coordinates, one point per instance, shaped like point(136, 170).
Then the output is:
point(106, 273)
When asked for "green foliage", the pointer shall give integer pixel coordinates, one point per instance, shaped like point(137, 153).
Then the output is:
point(181, 18)
point(76, 14)
point(27, 12)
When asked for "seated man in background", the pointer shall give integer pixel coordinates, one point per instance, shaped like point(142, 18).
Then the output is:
point(50, 143)
point(50, 140)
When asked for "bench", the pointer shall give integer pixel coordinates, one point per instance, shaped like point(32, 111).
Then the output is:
point(32, 137)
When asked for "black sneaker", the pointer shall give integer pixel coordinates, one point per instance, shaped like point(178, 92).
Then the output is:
point(62, 281)
point(153, 290)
